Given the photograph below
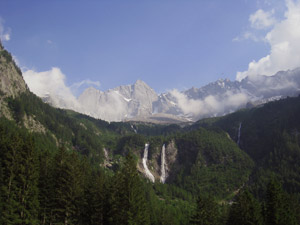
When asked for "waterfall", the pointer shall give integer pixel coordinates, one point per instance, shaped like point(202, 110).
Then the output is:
point(162, 167)
point(105, 153)
point(239, 134)
point(132, 127)
point(147, 171)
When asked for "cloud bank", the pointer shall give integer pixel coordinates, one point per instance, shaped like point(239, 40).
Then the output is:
point(212, 105)
point(262, 19)
point(283, 39)
point(51, 84)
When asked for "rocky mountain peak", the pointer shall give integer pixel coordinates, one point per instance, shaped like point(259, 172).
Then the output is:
point(140, 82)
point(90, 90)
point(11, 80)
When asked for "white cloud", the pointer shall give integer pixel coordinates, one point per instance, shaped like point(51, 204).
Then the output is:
point(210, 105)
point(248, 35)
point(261, 19)
point(51, 84)
point(4, 33)
point(78, 87)
point(86, 82)
point(284, 42)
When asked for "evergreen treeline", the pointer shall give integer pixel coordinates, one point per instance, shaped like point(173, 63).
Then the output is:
point(41, 185)
point(270, 136)
point(60, 186)
point(51, 171)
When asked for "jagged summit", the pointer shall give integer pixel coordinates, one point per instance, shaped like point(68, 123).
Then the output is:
point(140, 82)
point(139, 102)
point(90, 90)
point(120, 103)
point(11, 80)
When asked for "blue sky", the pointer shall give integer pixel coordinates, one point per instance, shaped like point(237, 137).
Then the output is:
point(167, 44)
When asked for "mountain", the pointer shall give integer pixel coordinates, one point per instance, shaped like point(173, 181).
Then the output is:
point(104, 143)
point(139, 102)
point(11, 85)
point(119, 103)
point(270, 136)
point(11, 80)
point(224, 96)
point(59, 166)
point(218, 87)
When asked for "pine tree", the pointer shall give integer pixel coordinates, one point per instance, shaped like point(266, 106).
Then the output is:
point(245, 210)
point(278, 208)
point(9, 187)
point(46, 188)
point(95, 200)
point(67, 188)
point(206, 212)
point(19, 191)
point(128, 199)
point(28, 175)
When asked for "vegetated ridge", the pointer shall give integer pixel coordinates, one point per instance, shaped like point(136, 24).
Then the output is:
point(59, 166)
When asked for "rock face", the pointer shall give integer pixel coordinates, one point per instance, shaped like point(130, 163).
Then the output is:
point(218, 87)
point(283, 83)
point(164, 159)
point(225, 96)
point(139, 102)
point(11, 80)
point(119, 103)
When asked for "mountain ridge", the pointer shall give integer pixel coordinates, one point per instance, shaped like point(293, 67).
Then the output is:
point(139, 100)
point(202, 158)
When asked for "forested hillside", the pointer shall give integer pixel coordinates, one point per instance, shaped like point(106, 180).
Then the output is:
point(270, 136)
point(61, 167)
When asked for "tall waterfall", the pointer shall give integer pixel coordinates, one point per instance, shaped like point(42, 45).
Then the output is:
point(162, 167)
point(239, 134)
point(147, 171)
point(132, 127)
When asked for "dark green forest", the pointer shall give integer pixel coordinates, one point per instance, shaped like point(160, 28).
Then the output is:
point(56, 177)
point(243, 168)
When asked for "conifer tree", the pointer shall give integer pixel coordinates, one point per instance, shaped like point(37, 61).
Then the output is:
point(206, 212)
point(19, 191)
point(128, 199)
point(67, 188)
point(46, 188)
point(28, 175)
point(9, 186)
point(278, 209)
point(95, 200)
point(245, 210)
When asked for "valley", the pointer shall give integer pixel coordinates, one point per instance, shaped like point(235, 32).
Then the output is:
point(58, 166)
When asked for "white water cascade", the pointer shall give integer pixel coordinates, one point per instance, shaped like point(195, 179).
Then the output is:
point(163, 163)
point(239, 134)
point(132, 127)
point(147, 171)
